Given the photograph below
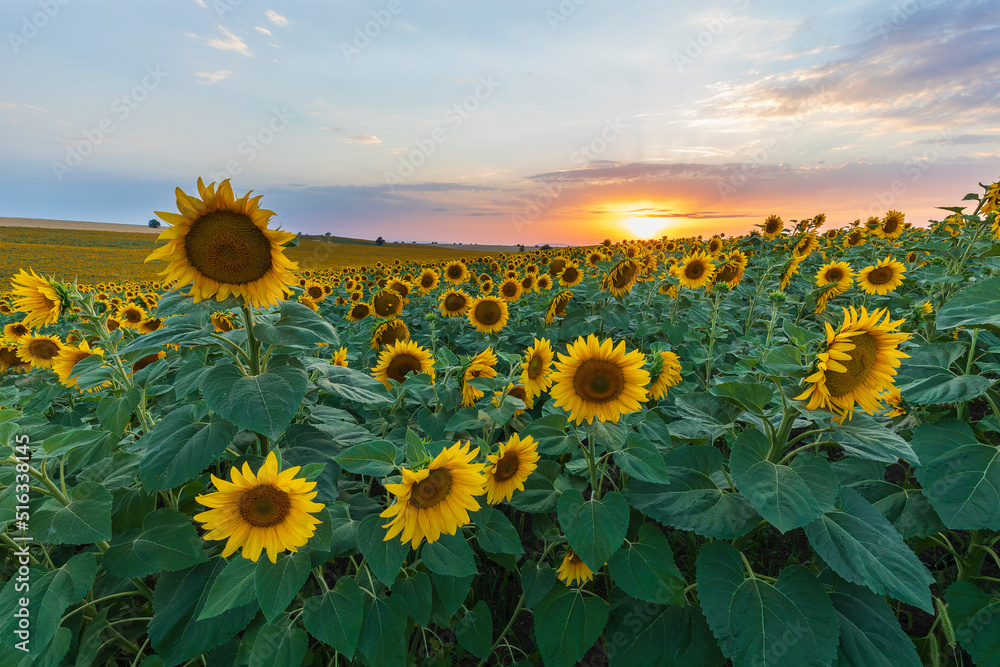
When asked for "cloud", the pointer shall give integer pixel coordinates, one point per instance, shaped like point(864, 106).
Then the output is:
point(363, 139)
point(228, 42)
point(212, 77)
point(276, 18)
point(263, 30)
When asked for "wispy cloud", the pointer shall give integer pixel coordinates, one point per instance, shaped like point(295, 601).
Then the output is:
point(263, 30)
point(227, 42)
point(276, 18)
point(363, 139)
point(212, 77)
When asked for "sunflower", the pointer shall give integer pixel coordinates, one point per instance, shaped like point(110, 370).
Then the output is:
point(517, 391)
point(839, 273)
point(488, 314)
point(387, 303)
point(772, 227)
point(314, 290)
point(510, 290)
point(149, 325)
point(223, 321)
point(39, 351)
point(557, 265)
point(358, 311)
point(400, 359)
point(667, 368)
point(594, 257)
point(557, 307)
point(893, 399)
point(543, 282)
point(436, 499)
point(730, 272)
point(695, 270)
point(9, 361)
point(482, 365)
point(15, 332)
point(456, 273)
point(597, 379)
point(485, 287)
point(68, 357)
point(791, 268)
point(573, 569)
point(388, 333)
point(622, 276)
point(528, 282)
point(715, 245)
point(805, 245)
point(43, 300)
point(454, 303)
point(890, 227)
point(131, 316)
point(536, 369)
point(339, 357)
point(509, 467)
point(858, 364)
point(112, 324)
point(147, 360)
point(571, 275)
point(881, 278)
point(400, 287)
point(428, 280)
point(223, 246)
point(990, 201)
point(269, 510)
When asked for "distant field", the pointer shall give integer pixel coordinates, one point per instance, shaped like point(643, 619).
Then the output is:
point(97, 256)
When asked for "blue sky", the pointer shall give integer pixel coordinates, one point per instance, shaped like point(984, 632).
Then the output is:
point(502, 122)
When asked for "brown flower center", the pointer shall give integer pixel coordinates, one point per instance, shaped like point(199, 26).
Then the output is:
point(599, 381)
point(430, 491)
point(454, 303)
point(228, 247)
point(834, 274)
point(43, 349)
point(488, 312)
point(535, 366)
point(858, 366)
point(556, 266)
point(264, 506)
point(509, 289)
point(315, 291)
point(570, 274)
point(401, 365)
point(455, 272)
point(386, 303)
point(880, 276)
point(694, 269)
point(624, 275)
point(507, 466)
point(427, 281)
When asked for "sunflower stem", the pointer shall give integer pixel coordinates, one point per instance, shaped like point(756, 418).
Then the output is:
point(510, 624)
point(781, 437)
point(595, 489)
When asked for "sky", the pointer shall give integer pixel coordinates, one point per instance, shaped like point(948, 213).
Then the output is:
point(500, 121)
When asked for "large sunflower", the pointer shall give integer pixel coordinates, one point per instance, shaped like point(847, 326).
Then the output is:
point(269, 510)
point(557, 307)
point(15, 331)
point(883, 277)
point(400, 359)
point(454, 303)
point(891, 226)
point(39, 351)
point(696, 270)
point(854, 238)
point(772, 227)
point(456, 273)
point(510, 290)
point(70, 356)
point(437, 499)
point(668, 374)
point(131, 316)
point(597, 379)
point(358, 311)
point(42, 300)
point(482, 365)
point(428, 280)
point(574, 569)
point(488, 314)
point(571, 275)
point(509, 467)
point(387, 303)
point(805, 245)
point(839, 273)
point(223, 246)
point(388, 333)
point(622, 276)
point(858, 364)
point(536, 369)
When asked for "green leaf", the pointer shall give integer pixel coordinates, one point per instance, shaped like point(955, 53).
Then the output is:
point(861, 436)
point(594, 528)
point(567, 623)
point(713, 414)
point(757, 623)
point(976, 619)
point(277, 583)
point(115, 413)
point(264, 403)
point(926, 379)
point(536, 582)
point(384, 557)
point(475, 631)
point(376, 458)
point(450, 593)
point(234, 587)
point(353, 385)
point(748, 396)
point(642, 460)
point(449, 554)
point(788, 496)
point(178, 600)
point(419, 596)
point(645, 569)
point(551, 435)
point(278, 646)
point(539, 494)
point(176, 302)
point(167, 542)
point(692, 500)
point(383, 633)
point(181, 446)
point(496, 534)
point(869, 630)
point(334, 618)
point(960, 476)
point(640, 633)
point(298, 326)
point(87, 519)
point(861, 546)
point(176, 330)
point(63, 443)
point(976, 305)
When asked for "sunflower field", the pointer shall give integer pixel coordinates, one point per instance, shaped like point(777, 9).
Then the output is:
point(781, 448)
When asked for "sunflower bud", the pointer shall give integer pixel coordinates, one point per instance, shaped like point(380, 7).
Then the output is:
point(777, 297)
